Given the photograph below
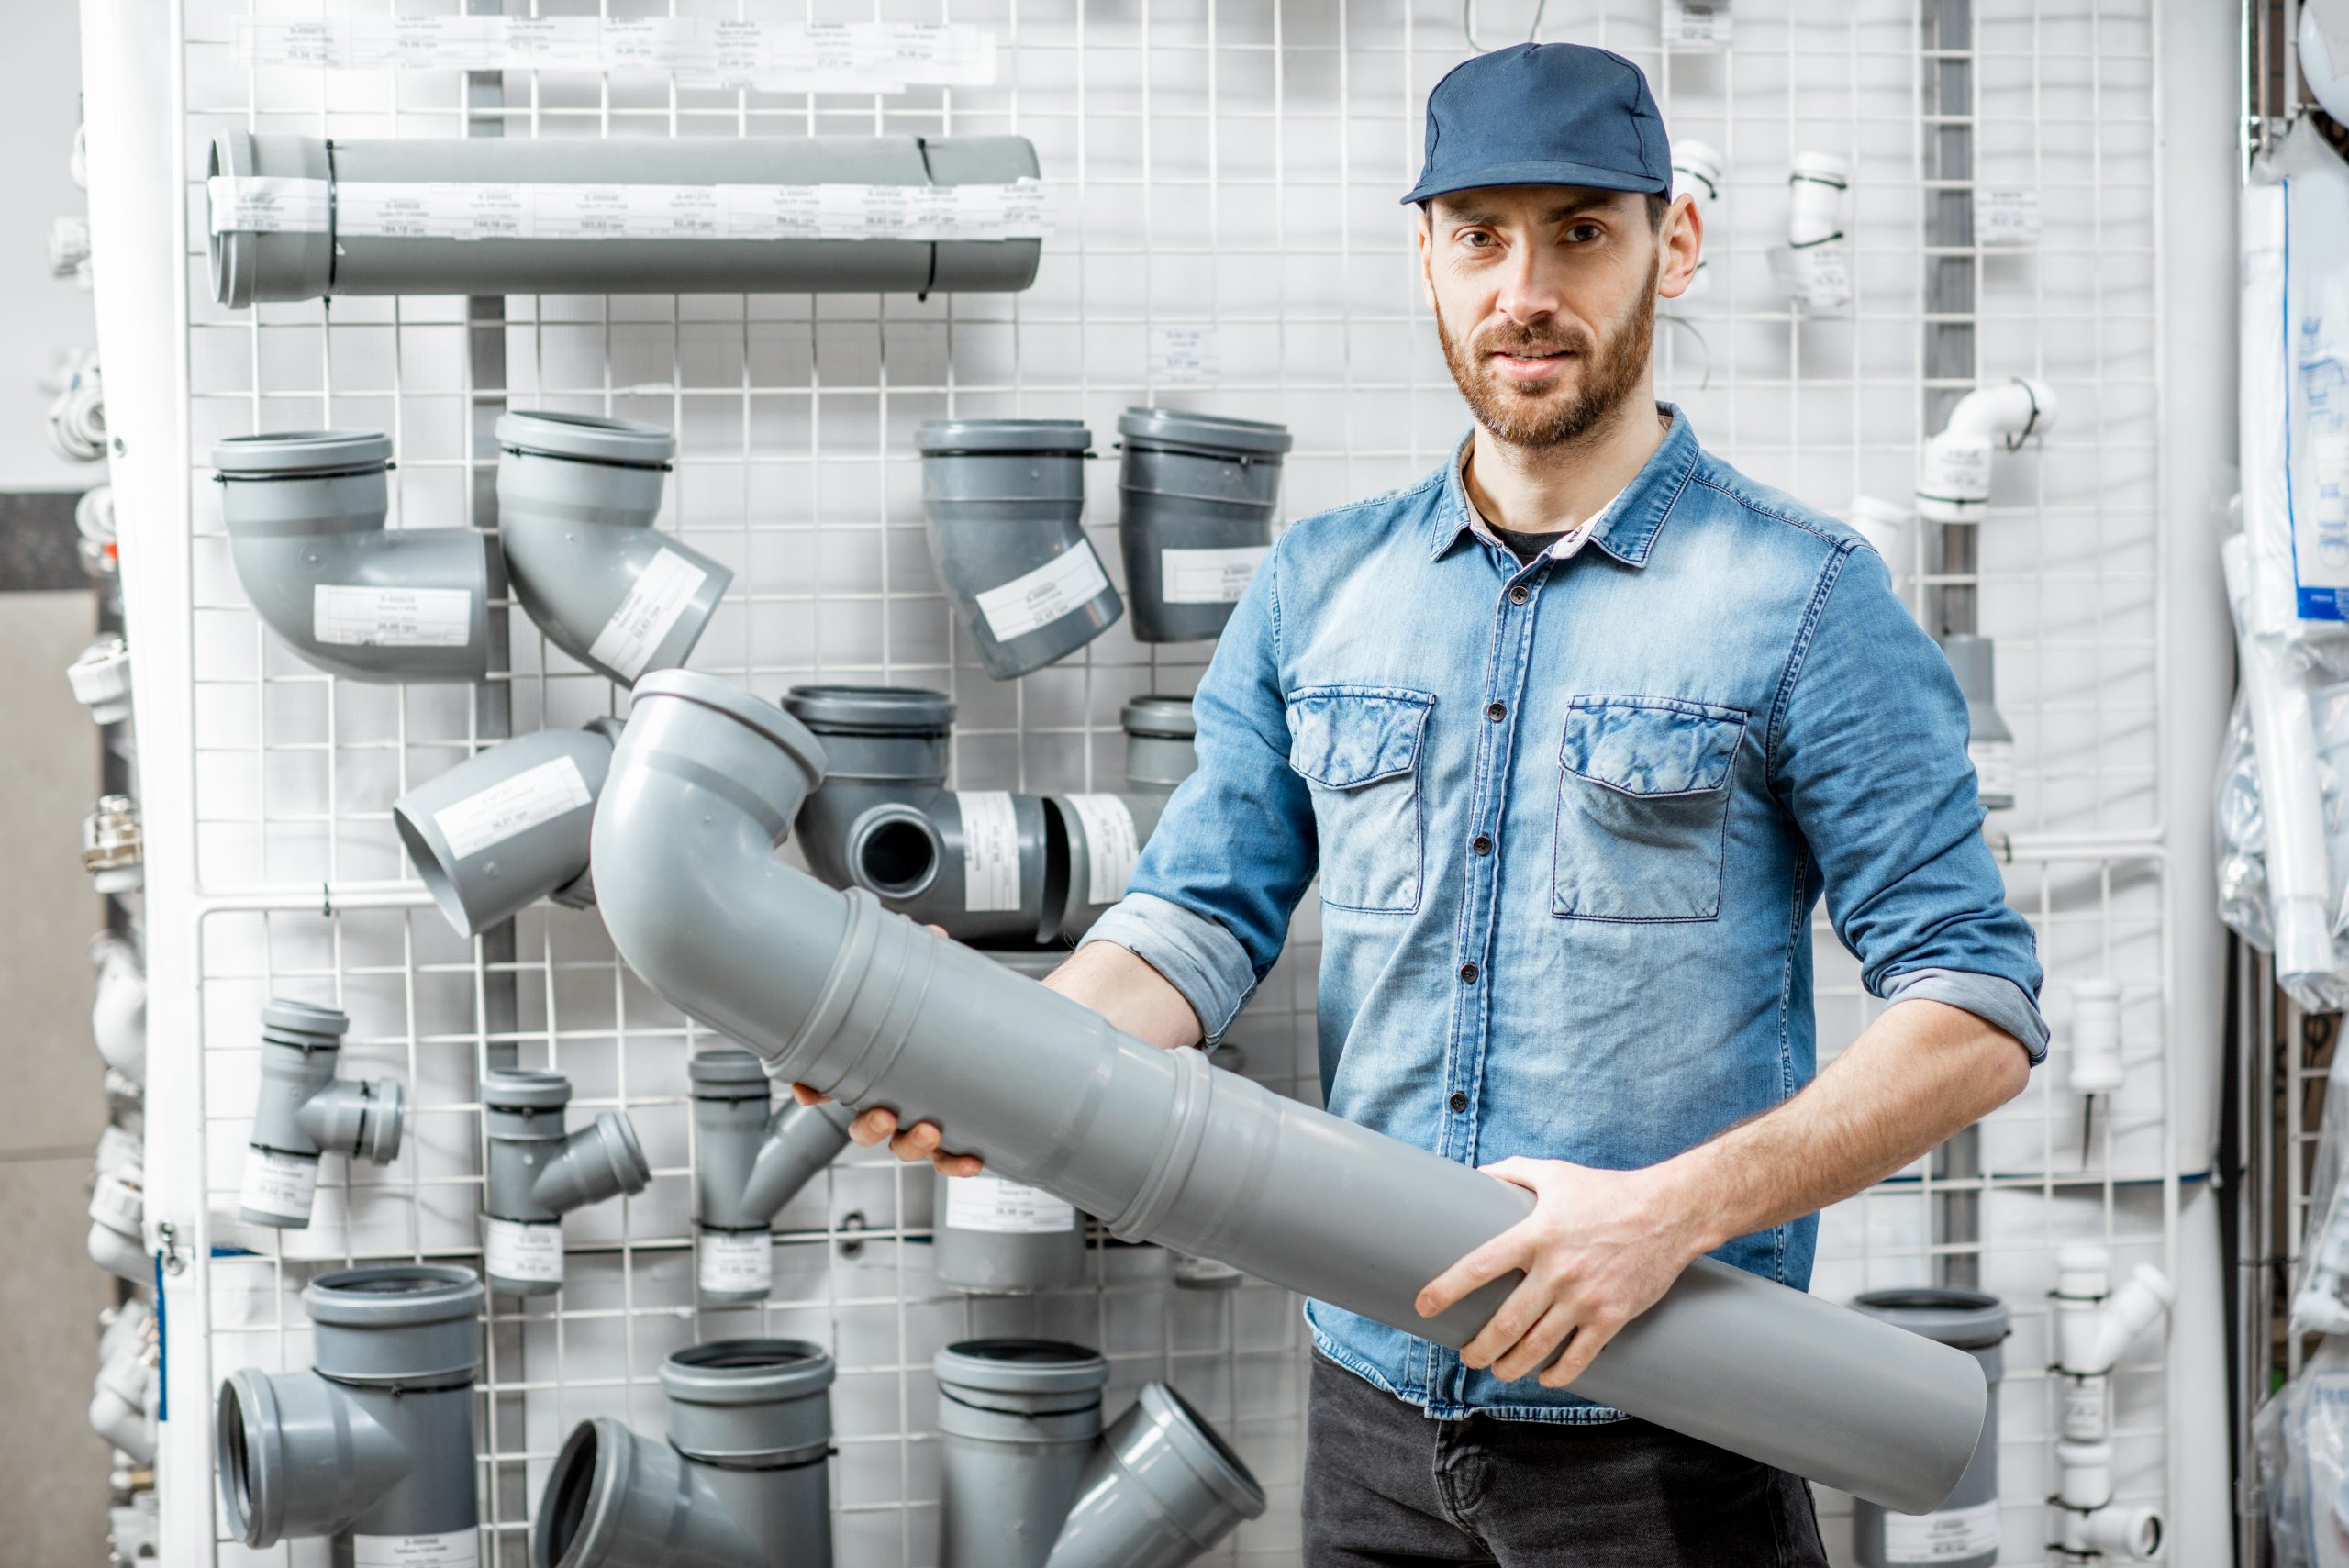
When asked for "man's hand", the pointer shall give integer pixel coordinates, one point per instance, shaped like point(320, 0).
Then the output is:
point(1599, 1249)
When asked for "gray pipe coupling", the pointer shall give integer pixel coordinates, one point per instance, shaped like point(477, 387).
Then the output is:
point(538, 1174)
point(748, 1165)
point(304, 1111)
point(304, 511)
point(373, 1445)
point(1160, 736)
point(508, 826)
point(837, 992)
point(576, 496)
point(741, 1483)
point(1196, 492)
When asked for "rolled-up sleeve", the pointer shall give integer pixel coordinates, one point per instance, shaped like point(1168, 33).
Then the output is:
point(1868, 751)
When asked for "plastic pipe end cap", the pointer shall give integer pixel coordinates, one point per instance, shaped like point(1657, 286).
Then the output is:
point(301, 451)
point(722, 696)
point(525, 1089)
point(250, 1442)
point(1968, 1320)
point(579, 1513)
point(631, 1172)
point(1203, 1449)
point(1020, 1366)
point(544, 433)
point(728, 1068)
point(948, 438)
point(385, 1118)
point(279, 1016)
point(870, 710)
point(747, 1372)
point(1211, 433)
point(1161, 718)
point(393, 1295)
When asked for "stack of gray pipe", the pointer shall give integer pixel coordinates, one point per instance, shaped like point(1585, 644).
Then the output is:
point(303, 1111)
point(1196, 492)
point(837, 992)
point(538, 1174)
point(508, 826)
point(748, 1163)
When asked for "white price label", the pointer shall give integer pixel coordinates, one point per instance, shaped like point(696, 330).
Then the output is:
point(1186, 356)
point(737, 1262)
point(352, 615)
point(1816, 275)
point(1993, 771)
point(281, 1184)
point(2006, 218)
point(1066, 583)
point(990, 1203)
point(654, 601)
point(454, 1549)
point(266, 203)
point(519, 1249)
point(1944, 1537)
point(532, 796)
point(990, 849)
point(1208, 576)
point(1696, 24)
point(2082, 1410)
point(1111, 844)
point(1953, 468)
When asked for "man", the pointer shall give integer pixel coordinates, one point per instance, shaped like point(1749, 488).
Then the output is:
point(1575, 732)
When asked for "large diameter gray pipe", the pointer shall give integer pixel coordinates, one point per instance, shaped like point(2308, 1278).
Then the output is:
point(323, 253)
point(509, 826)
point(373, 1445)
point(837, 992)
point(304, 1111)
point(538, 1174)
point(747, 1164)
point(304, 512)
point(1197, 493)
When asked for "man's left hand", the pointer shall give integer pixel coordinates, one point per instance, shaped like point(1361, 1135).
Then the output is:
point(1599, 1249)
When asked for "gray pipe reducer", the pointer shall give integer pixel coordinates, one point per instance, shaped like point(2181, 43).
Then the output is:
point(376, 1438)
point(304, 1111)
point(748, 1165)
point(538, 1174)
point(509, 826)
point(304, 511)
point(1197, 496)
point(252, 266)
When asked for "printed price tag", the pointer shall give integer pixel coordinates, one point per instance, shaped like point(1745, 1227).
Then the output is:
point(1953, 468)
point(1111, 844)
point(2006, 218)
point(1993, 771)
point(990, 1203)
point(2081, 1412)
point(1208, 576)
point(456, 1548)
point(1816, 275)
point(354, 616)
point(281, 1184)
point(658, 597)
point(1945, 1537)
point(1066, 583)
point(519, 1249)
point(1696, 24)
point(990, 849)
point(266, 204)
point(512, 805)
point(737, 1262)
point(1186, 356)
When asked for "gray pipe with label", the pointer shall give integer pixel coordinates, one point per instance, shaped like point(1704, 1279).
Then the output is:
point(748, 1165)
point(538, 1174)
point(509, 826)
point(866, 1006)
point(304, 1111)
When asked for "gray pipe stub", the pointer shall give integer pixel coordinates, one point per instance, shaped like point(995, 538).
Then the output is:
point(304, 511)
point(1963, 1531)
point(1163, 1488)
point(508, 826)
point(539, 1171)
point(1160, 735)
point(992, 1237)
point(1197, 493)
point(1018, 1422)
point(302, 1111)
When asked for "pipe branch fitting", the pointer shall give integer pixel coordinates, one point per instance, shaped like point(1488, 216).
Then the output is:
point(2094, 1324)
point(122, 1402)
point(304, 1111)
point(749, 1162)
point(509, 826)
point(2094, 1528)
point(1196, 494)
point(538, 1174)
point(1954, 469)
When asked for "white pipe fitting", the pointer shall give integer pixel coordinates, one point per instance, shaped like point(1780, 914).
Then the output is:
point(1697, 169)
point(1954, 470)
point(1813, 264)
point(117, 1239)
point(122, 1402)
point(1886, 525)
point(77, 418)
point(2092, 1526)
point(118, 1008)
point(2096, 1037)
point(100, 677)
point(111, 851)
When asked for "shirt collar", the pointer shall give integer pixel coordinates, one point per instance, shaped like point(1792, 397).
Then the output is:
point(1625, 531)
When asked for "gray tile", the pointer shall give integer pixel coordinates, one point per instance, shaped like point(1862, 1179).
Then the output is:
point(52, 1470)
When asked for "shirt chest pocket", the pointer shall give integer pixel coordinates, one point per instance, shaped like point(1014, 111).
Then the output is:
point(1643, 793)
point(1358, 749)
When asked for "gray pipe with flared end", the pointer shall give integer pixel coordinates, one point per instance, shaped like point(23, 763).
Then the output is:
point(741, 1483)
point(304, 1111)
point(538, 1174)
point(297, 217)
point(1198, 494)
point(508, 826)
point(748, 1163)
point(373, 1445)
point(576, 496)
point(304, 512)
point(837, 994)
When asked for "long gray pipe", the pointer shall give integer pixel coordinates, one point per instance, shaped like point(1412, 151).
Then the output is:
point(837, 992)
point(314, 257)
point(304, 1111)
point(509, 826)
point(538, 1174)
point(748, 1163)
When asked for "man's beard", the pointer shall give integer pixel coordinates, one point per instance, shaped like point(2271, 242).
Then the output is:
point(1545, 417)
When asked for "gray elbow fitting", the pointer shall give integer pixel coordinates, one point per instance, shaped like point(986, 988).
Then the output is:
point(519, 230)
point(509, 826)
point(741, 1483)
point(538, 1174)
point(1196, 495)
point(304, 512)
point(304, 1111)
point(863, 1005)
point(748, 1165)
point(375, 1439)
point(576, 496)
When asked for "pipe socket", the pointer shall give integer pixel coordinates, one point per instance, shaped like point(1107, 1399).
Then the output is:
point(304, 1111)
point(304, 511)
point(577, 497)
point(1160, 737)
point(1698, 171)
point(748, 1163)
point(837, 992)
point(1004, 497)
point(509, 826)
point(1990, 743)
point(100, 676)
point(741, 1483)
point(373, 1446)
point(2096, 1037)
point(539, 1173)
point(1954, 469)
point(118, 1004)
point(1963, 1532)
point(1196, 494)
point(113, 849)
point(2093, 1527)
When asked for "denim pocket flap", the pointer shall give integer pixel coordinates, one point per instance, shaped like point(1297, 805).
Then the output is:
point(1347, 735)
point(1651, 746)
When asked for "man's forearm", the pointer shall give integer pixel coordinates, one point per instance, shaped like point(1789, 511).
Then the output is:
point(1128, 992)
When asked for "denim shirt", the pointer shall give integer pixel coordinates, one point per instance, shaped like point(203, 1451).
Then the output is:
point(1570, 819)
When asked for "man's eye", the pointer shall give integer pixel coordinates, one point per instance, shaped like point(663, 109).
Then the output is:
point(1476, 239)
point(1584, 233)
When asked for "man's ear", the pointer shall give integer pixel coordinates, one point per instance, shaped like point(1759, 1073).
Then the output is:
point(1424, 235)
point(1678, 243)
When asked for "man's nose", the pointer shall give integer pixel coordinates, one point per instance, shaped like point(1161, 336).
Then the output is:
point(1529, 290)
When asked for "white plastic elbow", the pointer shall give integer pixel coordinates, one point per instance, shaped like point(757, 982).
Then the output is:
point(1953, 472)
point(122, 1402)
point(118, 1009)
point(2096, 1037)
point(100, 677)
point(117, 1242)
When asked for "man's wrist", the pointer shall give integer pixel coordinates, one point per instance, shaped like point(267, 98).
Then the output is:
point(1687, 1202)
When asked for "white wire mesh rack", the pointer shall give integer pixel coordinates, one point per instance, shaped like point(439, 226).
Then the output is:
point(1225, 166)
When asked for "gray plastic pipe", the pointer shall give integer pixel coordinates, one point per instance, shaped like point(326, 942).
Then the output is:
point(1197, 493)
point(1030, 1480)
point(837, 992)
point(304, 1111)
point(576, 496)
point(741, 1483)
point(748, 1165)
point(538, 1174)
point(1091, 843)
point(304, 511)
point(971, 860)
point(373, 1445)
point(317, 256)
point(1964, 1531)
point(992, 1237)
point(1160, 736)
point(509, 826)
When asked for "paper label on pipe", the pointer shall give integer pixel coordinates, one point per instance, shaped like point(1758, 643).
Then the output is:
point(1208, 576)
point(1186, 356)
point(990, 849)
point(357, 616)
point(509, 806)
point(281, 1184)
point(1066, 583)
point(1817, 275)
point(452, 1549)
point(1993, 771)
point(1696, 24)
point(2006, 218)
point(990, 1203)
point(2080, 1414)
point(1111, 844)
point(266, 203)
point(737, 1262)
point(1944, 1537)
point(1953, 468)
point(522, 1250)
point(654, 601)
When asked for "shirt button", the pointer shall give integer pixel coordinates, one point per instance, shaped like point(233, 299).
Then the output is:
point(1468, 972)
point(1497, 711)
point(1519, 593)
point(1459, 1101)
point(1481, 844)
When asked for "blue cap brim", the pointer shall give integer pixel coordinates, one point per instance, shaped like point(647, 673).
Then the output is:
point(1536, 172)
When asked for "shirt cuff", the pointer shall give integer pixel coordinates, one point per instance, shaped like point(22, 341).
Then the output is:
point(1993, 998)
point(1195, 954)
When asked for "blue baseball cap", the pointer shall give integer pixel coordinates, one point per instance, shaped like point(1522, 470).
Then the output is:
point(1544, 114)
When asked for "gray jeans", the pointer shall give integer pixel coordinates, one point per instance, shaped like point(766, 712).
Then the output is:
point(1384, 1487)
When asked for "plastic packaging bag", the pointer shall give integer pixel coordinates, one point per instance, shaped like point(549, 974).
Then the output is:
point(2303, 1437)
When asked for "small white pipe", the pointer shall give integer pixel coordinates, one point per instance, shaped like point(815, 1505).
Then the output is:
point(100, 677)
point(1886, 525)
point(117, 1224)
point(2096, 1037)
point(1954, 469)
point(1819, 198)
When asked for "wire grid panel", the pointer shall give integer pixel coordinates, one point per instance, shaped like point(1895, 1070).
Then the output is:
point(1226, 167)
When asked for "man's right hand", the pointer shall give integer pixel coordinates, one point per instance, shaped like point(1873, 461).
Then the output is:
point(914, 1144)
